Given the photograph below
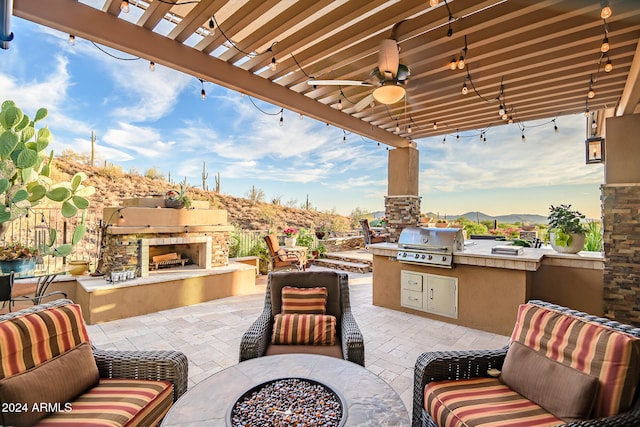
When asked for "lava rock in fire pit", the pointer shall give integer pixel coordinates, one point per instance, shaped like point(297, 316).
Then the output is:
point(288, 402)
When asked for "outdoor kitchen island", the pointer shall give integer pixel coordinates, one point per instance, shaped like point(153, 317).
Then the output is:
point(482, 290)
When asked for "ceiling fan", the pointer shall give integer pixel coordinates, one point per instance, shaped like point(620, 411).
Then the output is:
point(389, 78)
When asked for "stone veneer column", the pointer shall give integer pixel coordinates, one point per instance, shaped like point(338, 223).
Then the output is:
point(402, 204)
point(401, 212)
point(621, 221)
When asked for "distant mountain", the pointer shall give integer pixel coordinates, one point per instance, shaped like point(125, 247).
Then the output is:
point(510, 219)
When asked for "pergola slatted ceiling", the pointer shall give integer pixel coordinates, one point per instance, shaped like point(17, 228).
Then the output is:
point(543, 52)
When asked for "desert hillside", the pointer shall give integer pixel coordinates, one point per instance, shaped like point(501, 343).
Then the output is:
point(112, 185)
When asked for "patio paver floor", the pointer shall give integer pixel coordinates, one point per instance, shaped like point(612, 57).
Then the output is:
point(209, 334)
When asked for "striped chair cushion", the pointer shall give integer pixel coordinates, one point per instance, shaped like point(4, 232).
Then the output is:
point(304, 300)
point(482, 402)
point(32, 339)
point(314, 329)
point(116, 402)
point(612, 356)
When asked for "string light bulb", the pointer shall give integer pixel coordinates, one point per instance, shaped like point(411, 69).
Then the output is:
point(594, 125)
point(465, 90)
point(501, 110)
point(608, 66)
point(605, 12)
point(435, 125)
point(409, 128)
point(282, 118)
point(124, 6)
point(340, 104)
point(397, 127)
point(510, 120)
point(72, 39)
point(152, 66)
point(524, 138)
point(461, 62)
point(555, 126)
point(274, 64)
point(433, 3)
point(452, 64)
point(604, 47)
point(212, 24)
point(203, 94)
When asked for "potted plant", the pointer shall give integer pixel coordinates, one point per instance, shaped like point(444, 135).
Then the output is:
point(321, 230)
point(442, 223)
point(25, 180)
point(18, 258)
point(566, 231)
point(290, 237)
point(177, 199)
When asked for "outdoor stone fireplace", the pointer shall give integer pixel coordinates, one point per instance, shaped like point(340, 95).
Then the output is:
point(143, 235)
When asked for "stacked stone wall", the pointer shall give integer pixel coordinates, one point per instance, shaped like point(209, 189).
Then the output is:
point(401, 212)
point(621, 221)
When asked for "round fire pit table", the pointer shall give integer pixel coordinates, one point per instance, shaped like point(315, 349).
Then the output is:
point(369, 400)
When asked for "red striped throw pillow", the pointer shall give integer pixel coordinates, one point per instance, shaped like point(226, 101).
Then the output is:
point(308, 329)
point(304, 300)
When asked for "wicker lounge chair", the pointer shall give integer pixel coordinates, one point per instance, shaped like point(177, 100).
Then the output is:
point(370, 236)
point(256, 341)
point(470, 368)
point(282, 259)
point(47, 368)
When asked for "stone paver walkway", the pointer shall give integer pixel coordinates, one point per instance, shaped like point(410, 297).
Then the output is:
point(209, 334)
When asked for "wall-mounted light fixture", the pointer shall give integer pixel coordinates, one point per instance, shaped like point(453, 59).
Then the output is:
point(594, 147)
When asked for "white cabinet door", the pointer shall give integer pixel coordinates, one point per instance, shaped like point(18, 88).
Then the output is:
point(441, 295)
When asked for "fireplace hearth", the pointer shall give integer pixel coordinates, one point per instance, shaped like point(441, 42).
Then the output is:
point(142, 229)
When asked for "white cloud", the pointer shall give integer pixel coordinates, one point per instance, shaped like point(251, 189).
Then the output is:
point(144, 141)
point(505, 161)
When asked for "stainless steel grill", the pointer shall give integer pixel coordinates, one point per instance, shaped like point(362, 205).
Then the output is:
point(429, 246)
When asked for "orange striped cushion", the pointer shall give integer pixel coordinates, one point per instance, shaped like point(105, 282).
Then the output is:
point(482, 402)
point(34, 338)
point(304, 300)
point(612, 356)
point(315, 329)
point(116, 402)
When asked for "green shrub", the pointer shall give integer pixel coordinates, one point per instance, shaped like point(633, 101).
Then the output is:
point(593, 239)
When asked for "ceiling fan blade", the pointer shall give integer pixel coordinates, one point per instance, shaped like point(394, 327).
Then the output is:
point(337, 83)
point(364, 103)
point(388, 57)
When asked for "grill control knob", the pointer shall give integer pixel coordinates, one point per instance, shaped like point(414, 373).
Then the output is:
point(429, 257)
point(417, 256)
point(444, 259)
point(422, 256)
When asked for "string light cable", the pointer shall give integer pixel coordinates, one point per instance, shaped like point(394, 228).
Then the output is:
point(235, 46)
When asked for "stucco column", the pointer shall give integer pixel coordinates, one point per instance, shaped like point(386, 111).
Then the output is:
point(620, 197)
point(402, 203)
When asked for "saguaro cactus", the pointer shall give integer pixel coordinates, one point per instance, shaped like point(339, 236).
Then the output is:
point(205, 176)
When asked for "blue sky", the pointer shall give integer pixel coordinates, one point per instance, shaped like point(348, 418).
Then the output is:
point(158, 120)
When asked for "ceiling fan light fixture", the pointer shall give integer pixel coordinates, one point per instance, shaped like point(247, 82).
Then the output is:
point(389, 93)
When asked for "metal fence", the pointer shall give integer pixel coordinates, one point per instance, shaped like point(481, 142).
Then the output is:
point(34, 229)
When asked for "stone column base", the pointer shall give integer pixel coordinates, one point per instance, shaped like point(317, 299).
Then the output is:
point(401, 211)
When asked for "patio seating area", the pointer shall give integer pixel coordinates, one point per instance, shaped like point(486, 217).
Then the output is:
point(209, 334)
